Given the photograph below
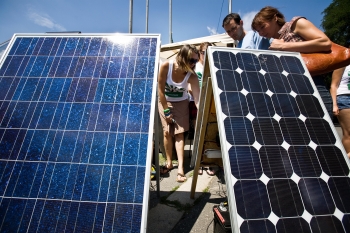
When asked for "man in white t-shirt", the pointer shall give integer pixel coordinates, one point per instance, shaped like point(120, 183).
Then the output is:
point(233, 26)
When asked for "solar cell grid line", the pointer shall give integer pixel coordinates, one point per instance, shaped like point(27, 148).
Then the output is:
point(75, 132)
point(104, 213)
point(285, 167)
point(15, 181)
point(105, 209)
point(56, 158)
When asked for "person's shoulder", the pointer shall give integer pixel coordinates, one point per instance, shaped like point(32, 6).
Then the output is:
point(193, 76)
point(248, 41)
point(164, 67)
point(251, 34)
point(255, 34)
point(260, 42)
point(296, 19)
point(199, 67)
point(165, 64)
point(347, 68)
point(300, 23)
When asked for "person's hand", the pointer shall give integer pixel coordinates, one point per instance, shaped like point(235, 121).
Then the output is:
point(169, 119)
point(335, 110)
point(276, 44)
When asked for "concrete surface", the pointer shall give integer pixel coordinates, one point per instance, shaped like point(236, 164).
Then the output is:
point(175, 211)
point(163, 218)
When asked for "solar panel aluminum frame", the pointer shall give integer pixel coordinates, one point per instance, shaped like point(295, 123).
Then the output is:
point(3, 49)
point(225, 146)
point(126, 38)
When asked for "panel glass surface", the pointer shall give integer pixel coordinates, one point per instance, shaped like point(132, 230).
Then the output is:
point(76, 121)
point(285, 167)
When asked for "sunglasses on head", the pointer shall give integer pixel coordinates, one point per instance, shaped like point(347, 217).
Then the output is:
point(193, 61)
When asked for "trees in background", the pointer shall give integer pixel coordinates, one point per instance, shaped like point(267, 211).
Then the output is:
point(336, 21)
point(336, 25)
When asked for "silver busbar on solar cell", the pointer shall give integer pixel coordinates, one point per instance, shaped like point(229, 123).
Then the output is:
point(285, 167)
point(76, 131)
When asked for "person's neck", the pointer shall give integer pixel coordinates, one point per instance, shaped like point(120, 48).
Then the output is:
point(178, 70)
point(277, 35)
point(243, 35)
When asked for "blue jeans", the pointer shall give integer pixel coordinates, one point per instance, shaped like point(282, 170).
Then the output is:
point(343, 101)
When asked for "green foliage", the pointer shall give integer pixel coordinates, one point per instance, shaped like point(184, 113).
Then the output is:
point(336, 21)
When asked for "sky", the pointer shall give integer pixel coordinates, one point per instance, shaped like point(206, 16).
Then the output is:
point(190, 18)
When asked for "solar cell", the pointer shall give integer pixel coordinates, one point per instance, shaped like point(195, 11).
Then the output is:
point(285, 167)
point(76, 126)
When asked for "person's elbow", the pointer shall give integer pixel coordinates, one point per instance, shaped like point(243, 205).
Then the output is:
point(326, 44)
point(333, 87)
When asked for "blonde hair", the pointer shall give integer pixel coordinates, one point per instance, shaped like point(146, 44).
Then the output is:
point(184, 55)
point(205, 44)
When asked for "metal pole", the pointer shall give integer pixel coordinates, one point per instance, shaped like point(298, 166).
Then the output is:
point(130, 17)
point(156, 145)
point(147, 3)
point(229, 6)
point(170, 29)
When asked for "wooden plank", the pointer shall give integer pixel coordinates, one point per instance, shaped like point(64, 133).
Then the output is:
point(206, 96)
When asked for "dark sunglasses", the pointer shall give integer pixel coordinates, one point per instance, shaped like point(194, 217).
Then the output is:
point(202, 52)
point(193, 61)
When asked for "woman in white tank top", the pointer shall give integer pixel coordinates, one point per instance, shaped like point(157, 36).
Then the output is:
point(174, 77)
point(340, 92)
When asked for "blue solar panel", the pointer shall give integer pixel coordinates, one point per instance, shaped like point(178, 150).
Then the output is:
point(76, 126)
point(285, 167)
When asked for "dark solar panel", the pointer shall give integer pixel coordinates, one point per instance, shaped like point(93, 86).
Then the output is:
point(76, 126)
point(285, 167)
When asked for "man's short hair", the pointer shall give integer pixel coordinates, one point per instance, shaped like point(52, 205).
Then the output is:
point(236, 17)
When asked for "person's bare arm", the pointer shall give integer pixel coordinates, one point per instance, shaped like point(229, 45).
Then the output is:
point(193, 81)
point(336, 77)
point(162, 76)
point(315, 39)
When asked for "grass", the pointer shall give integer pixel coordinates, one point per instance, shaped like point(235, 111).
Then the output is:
point(162, 160)
point(176, 204)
